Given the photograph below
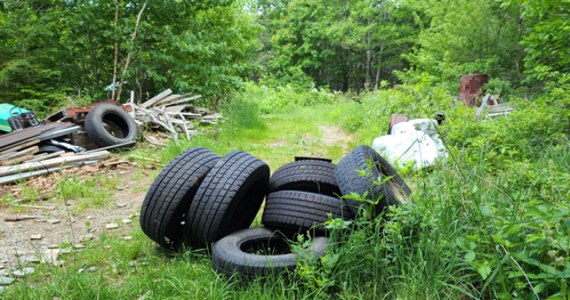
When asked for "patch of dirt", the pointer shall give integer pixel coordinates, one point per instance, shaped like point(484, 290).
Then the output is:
point(28, 233)
point(332, 136)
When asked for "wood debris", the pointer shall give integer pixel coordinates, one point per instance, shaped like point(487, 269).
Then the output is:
point(173, 113)
point(21, 154)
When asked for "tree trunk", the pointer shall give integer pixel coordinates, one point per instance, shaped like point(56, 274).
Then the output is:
point(115, 62)
point(133, 37)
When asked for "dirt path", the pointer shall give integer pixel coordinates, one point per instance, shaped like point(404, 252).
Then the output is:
point(332, 135)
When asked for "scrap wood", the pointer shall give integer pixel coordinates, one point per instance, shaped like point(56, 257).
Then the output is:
point(181, 100)
point(54, 162)
point(156, 98)
point(21, 218)
point(168, 111)
point(19, 137)
point(46, 170)
point(19, 146)
point(26, 151)
point(45, 156)
point(37, 206)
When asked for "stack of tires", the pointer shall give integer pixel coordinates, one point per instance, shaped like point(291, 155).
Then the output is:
point(200, 199)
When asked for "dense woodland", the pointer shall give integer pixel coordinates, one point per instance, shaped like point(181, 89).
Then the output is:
point(53, 49)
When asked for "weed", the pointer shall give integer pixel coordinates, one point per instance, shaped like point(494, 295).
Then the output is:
point(89, 191)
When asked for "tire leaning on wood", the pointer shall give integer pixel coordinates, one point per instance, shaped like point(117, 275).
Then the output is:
point(108, 125)
point(170, 195)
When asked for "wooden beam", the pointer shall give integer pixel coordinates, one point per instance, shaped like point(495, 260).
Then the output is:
point(155, 99)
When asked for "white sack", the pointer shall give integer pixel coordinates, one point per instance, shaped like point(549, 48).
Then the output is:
point(416, 140)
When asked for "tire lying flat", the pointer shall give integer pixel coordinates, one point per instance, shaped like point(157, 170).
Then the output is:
point(108, 125)
point(315, 176)
point(170, 195)
point(294, 212)
point(363, 158)
point(237, 253)
point(228, 199)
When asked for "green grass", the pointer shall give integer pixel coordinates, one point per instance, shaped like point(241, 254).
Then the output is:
point(89, 192)
point(490, 223)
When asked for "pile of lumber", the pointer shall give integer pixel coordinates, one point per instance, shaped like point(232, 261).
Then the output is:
point(20, 155)
point(173, 113)
point(490, 107)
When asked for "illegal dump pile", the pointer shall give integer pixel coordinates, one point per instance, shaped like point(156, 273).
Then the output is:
point(200, 198)
point(77, 136)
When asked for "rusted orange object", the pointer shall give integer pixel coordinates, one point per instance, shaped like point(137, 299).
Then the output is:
point(470, 88)
point(77, 114)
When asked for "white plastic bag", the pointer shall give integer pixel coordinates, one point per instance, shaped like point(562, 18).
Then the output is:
point(416, 140)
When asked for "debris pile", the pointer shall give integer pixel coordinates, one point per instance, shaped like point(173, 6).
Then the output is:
point(173, 113)
point(35, 151)
point(61, 140)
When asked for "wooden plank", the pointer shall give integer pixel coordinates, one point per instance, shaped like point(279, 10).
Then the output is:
point(26, 151)
point(58, 133)
point(183, 100)
point(20, 146)
point(44, 156)
point(54, 162)
point(175, 108)
point(15, 138)
point(24, 175)
point(156, 98)
point(170, 98)
point(16, 160)
point(20, 157)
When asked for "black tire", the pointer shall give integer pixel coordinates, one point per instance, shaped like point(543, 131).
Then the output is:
point(363, 158)
point(236, 253)
point(108, 125)
point(50, 149)
point(228, 199)
point(294, 212)
point(167, 201)
point(313, 176)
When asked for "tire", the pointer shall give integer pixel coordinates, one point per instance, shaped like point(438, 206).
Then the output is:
point(235, 253)
point(170, 195)
point(393, 192)
point(108, 125)
point(313, 176)
point(228, 199)
point(50, 149)
point(294, 212)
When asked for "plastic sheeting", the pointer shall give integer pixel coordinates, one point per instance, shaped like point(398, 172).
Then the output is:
point(415, 140)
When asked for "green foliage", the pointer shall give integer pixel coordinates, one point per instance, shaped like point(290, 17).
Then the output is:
point(284, 98)
point(57, 48)
point(341, 45)
point(371, 117)
point(545, 40)
point(463, 37)
point(518, 137)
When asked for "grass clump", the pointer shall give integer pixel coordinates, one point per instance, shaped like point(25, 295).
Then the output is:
point(89, 192)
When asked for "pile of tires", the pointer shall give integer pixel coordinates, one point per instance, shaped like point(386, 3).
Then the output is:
point(202, 200)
